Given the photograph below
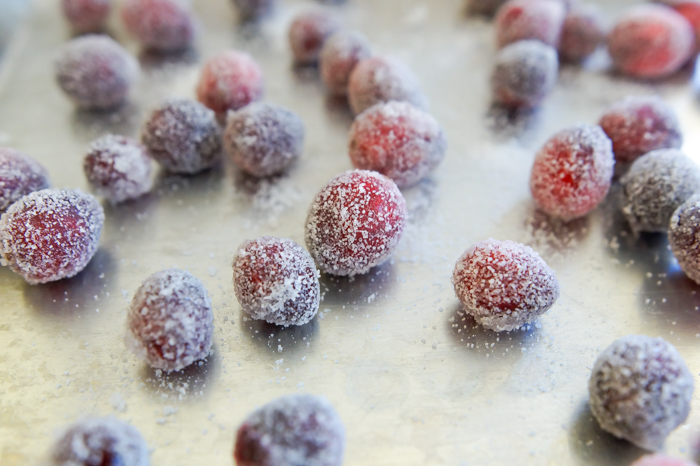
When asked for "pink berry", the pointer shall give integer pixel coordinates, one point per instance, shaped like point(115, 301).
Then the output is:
point(50, 234)
point(381, 79)
point(504, 285)
point(583, 31)
point(276, 280)
point(639, 124)
point(684, 237)
point(530, 19)
point(251, 10)
point(96, 72)
point(229, 81)
point(572, 173)
point(160, 25)
point(170, 321)
point(309, 32)
point(86, 15)
point(339, 55)
point(19, 176)
point(397, 140)
point(118, 168)
point(651, 41)
point(658, 459)
point(690, 10)
point(292, 430)
point(355, 222)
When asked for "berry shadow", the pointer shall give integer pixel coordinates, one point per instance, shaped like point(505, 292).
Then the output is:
point(363, 289)
point(507, 122)
point(551, 236)
point(193, 381)
point(672, 302)
point(420, 199)
point(90, 124)
point(165, 64)
point(306, 74)
point(267, 197)
point(129, 214)
point(291, 339)
point(338, 110)
point(200, 187)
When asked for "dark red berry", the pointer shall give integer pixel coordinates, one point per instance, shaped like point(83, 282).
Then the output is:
point(339, 56)
point(309, 32)
point(583, 31)
point(19, 176)
point(530, 19)
point(229, 81)
point(160, 25)
point(684, 237)
point(86, 15)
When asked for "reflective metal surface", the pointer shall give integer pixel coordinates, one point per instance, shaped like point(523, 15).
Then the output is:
point(415, 382)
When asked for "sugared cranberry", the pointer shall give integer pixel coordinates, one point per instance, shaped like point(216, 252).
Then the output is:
point(397, 140)
point(524, 74)
point(684, 237)
point(229, 81)
point(583, 31)
point(651, 41)
point(118, 168)
point(86, 15)
point(504, 285)
point(101, 441)
point(572, 172)
point(160, 25)
point(339, 55)
point(639, 124)
point(289, 431)
point(96, 72)
point(183, 136)
point(381, 79)
point(251, 10)
point(655, 186)
point(640, 390)
point(19, 176)
point(484, 7)
point(309, 32)
point(355, 222)
point(658, 459)
point(170, 321)
point(690, 10)
point(50, 234)
point(530, 19)
point(276, 280)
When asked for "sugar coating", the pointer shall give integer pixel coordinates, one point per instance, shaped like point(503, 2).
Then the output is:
point(582, 32)
point(339, 56)
point(658, 459)
point(229, 81)
point(655, 186)
point(86, 15)
point(355, 222)
point(292, 430)
point(100, 441)
point(19, 176)
point(160, 25)
point(170, 321)
point(397, 140)
point(50, 234)
point(639, 124)
point(254, 9)
point(504, 285)
point(264, 139)
point(530, 19)
point(640, 390)
point(118, 168)
point(484, 7)
point(308, 32)
point(96, 72)
point(276, 280)
point(183, 136)
point(572, 172)
point(525, 72)
point(381, 79)
point(651, 41)
point(684, 237)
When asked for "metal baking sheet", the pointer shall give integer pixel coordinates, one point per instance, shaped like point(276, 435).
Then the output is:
point(414, 380)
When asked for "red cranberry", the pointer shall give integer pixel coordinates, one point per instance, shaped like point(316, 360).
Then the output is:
point(170, 321)
point(339, 55)
point(658, 459)
point(530, 19)
point(572, 173)
point(355, 222)
point(50, 234)
point(19, 176)
point(309, 32)
point(583, 31)
point(86, 15)
point(291, 430)
point(229, 81)
point(254, 9)
point(684, 236)
point(160, 25)
point(397, 140)
point(690, 10)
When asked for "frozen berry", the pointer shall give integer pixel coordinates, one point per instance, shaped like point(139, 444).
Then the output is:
point(639, 124)
point(572, 173)
point(530, 19)
point(293, 430)
point(381, 79)
point(684, 237)
point(229, 81)
point(651, 41)
point(504, 285)
point(118, 168)
point(160, 25)
point(19, 176)
point(524, 74)
point(309, 32)
point(276, 280)
point(170, 321)
point(484, 7)
point(583, 31)
point(50, 234)
point(96, 72)
point(86, 15)
point(655, 186)
point(339, 55)
point(254, 9)
point(661, 460)
point(397, 140)
point(101, 441)
point(690, 10)
point(183, 136)
point(640, 390)
point(355, 222)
